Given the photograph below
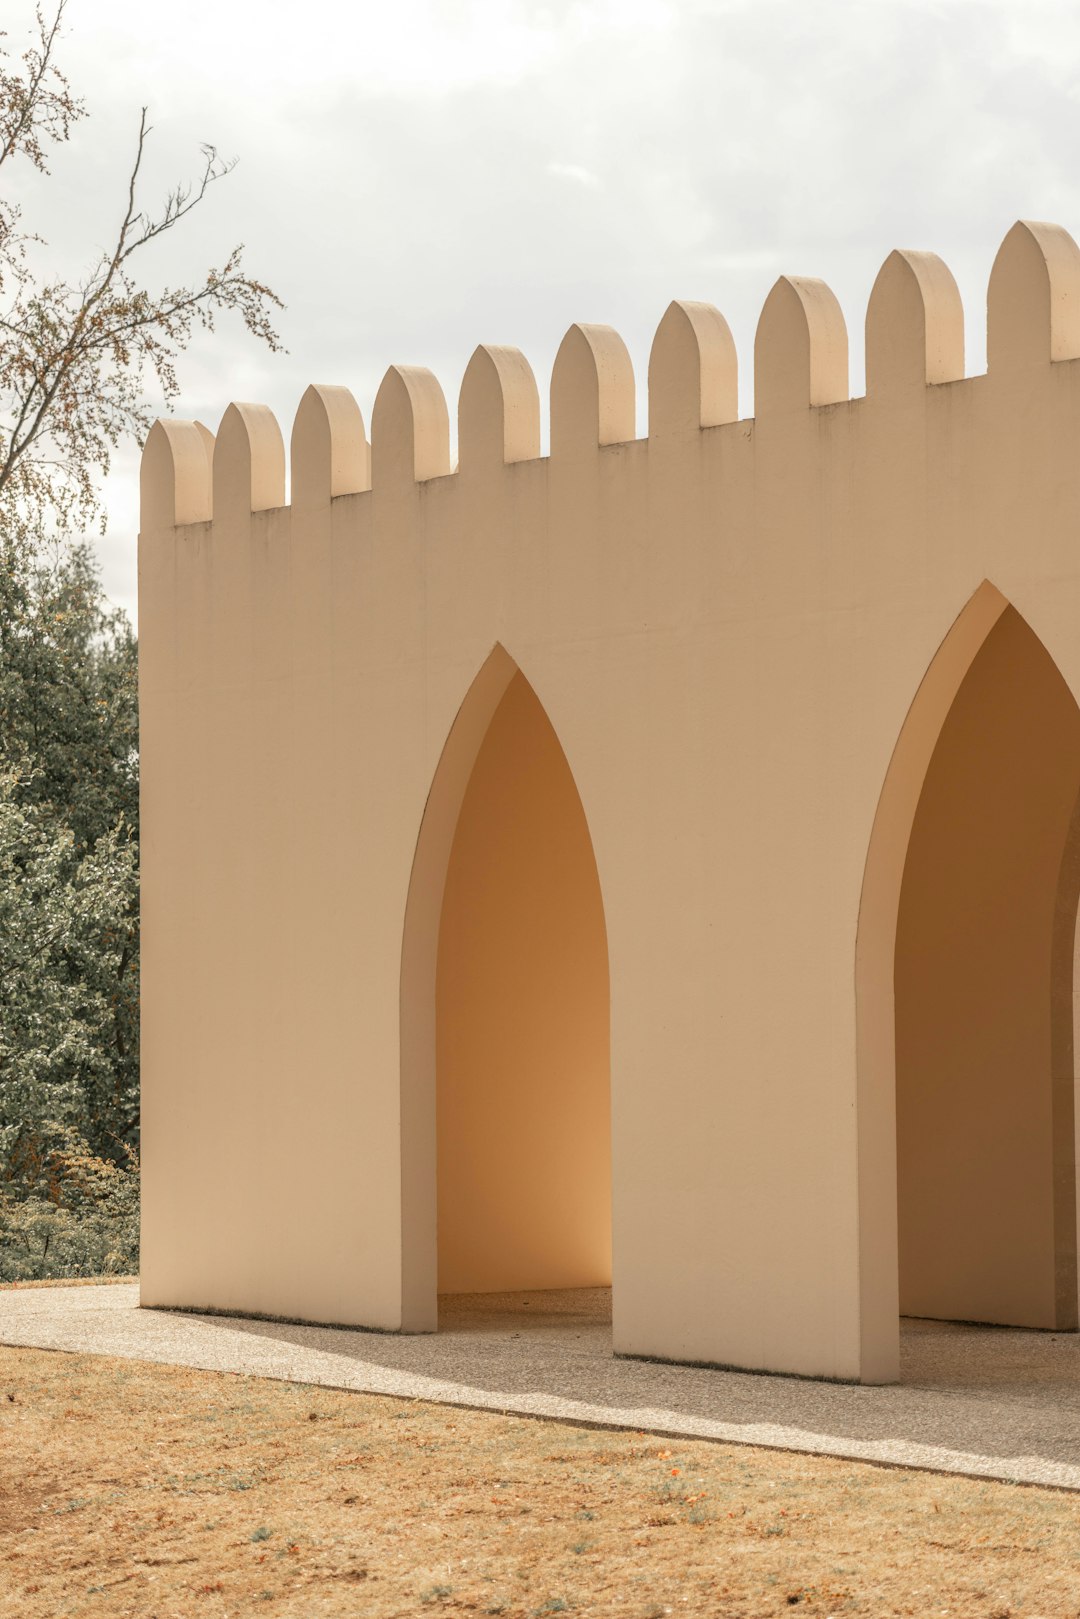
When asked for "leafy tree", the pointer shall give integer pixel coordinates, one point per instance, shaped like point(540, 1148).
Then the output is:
point(68, 724)
point(68, 1106)
point(76, 360)
point(68, 689)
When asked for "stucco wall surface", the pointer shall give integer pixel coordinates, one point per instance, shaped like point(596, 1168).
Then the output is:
point(746, 636)
point(523, 1095)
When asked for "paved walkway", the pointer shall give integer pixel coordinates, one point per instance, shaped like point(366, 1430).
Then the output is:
point(993, 1402)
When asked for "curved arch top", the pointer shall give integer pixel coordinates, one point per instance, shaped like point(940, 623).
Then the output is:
point(877, 934)
point(915, 745)
point(453, 839)
point(874, 1008)
point(725, 624)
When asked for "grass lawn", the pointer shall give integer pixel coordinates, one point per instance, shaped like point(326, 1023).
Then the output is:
point(132, 1489)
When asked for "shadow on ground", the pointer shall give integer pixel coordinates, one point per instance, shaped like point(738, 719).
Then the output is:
point(996, 1401)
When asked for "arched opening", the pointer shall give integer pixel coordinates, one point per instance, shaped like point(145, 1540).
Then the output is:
point(522, 1088)
point(983, 985)
point(964, 983)
point(505, 1018)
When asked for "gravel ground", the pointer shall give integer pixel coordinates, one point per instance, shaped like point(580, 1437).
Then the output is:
point(988, 1402)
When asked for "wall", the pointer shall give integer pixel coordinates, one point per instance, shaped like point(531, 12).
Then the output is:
point(727, 623)
point(523, 1091)
point(982, 1127)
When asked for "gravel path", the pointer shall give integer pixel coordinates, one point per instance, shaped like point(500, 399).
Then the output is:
point(990, 1402)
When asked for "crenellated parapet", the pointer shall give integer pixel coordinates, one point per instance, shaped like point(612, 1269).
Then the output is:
point(914, 339)
point(746, 639)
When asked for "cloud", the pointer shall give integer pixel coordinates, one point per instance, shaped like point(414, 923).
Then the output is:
point(574, 172)
point(417, 179)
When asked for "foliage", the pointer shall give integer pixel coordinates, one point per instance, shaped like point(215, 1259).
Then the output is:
point(76, 358)
point(68, 689)
point(68, 978)
point(89, 1228)
point(75, 355)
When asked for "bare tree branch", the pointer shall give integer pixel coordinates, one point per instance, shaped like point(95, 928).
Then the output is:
point(76, 358)
point(37, 103)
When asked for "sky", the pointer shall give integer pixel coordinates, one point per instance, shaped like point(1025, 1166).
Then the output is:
point(420, 176)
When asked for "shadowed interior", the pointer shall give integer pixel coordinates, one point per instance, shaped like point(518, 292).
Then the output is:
point(522, 1044)
point(984, 1001)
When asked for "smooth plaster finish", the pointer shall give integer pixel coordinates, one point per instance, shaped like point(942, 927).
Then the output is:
point(747, 637)
point(991, 1403)
point(522, 1025)
point(986, 1233)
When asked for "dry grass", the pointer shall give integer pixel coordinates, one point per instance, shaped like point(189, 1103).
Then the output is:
point(65, 1281)
point(130, 1489)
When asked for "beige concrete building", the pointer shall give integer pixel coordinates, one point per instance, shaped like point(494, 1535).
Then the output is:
point(653, 862)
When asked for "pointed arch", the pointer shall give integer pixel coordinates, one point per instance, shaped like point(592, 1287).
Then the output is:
point(419, 964)
point(911, 898)
point(504, 882)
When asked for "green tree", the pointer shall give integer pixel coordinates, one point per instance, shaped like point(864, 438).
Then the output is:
point(69, 730)
point(68, 689)
point(68, 961)
point(77, 358)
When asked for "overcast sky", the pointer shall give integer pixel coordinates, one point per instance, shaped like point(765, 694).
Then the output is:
point(418, 176)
